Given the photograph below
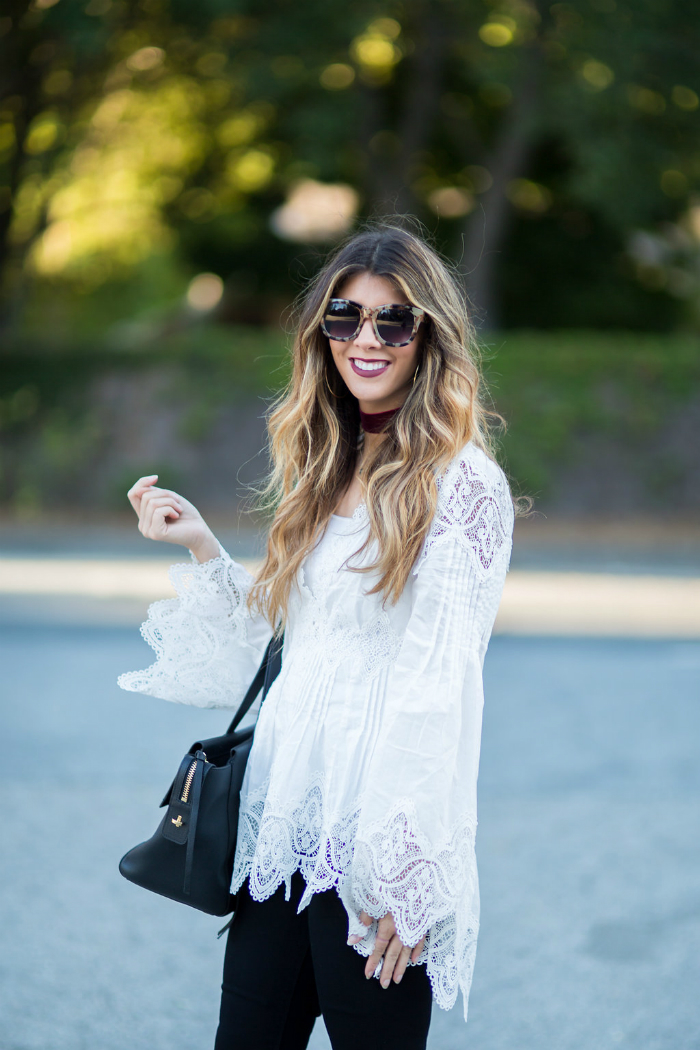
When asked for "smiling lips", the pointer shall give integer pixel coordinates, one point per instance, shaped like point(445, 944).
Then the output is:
point(370, 368)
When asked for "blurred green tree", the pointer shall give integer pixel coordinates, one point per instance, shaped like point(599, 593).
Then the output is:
point(552, 149)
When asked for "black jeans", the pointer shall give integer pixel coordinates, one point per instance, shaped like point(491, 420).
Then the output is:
point(282, 970)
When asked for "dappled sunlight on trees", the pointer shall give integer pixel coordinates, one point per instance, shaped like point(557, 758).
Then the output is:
point(228, 137)
point(172, 173)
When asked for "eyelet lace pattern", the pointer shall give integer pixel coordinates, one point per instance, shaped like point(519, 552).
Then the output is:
point(337, 638)
point(392, 867)
point(475, 507)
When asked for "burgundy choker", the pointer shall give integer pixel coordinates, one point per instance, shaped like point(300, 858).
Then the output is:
point(375, 422)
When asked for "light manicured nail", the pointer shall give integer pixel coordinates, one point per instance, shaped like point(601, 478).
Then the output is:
point(398, 979)
point(385, 984)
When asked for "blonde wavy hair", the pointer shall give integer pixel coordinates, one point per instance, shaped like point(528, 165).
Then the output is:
point(314, 423)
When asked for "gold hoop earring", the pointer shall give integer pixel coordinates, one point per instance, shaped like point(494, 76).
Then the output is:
point(415, 374)
point(336, 396)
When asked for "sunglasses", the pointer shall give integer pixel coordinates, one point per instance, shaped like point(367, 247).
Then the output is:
point(394, 325)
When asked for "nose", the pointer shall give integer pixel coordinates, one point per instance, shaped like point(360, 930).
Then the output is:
point(366, 336)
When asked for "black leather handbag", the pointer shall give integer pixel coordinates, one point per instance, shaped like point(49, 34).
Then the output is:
point(190, 856)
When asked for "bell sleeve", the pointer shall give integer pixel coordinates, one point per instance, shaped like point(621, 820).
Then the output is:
point(207, 644)
point(414, 850)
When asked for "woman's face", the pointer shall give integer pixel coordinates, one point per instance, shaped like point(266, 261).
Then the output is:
point(388, 383)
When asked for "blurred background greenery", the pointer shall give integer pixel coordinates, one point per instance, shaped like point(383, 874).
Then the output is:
point(172, 173)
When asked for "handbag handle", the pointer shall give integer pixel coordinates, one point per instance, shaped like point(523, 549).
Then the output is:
point(264, 677)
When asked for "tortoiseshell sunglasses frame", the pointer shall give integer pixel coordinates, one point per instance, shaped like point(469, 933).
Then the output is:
point(372, 312)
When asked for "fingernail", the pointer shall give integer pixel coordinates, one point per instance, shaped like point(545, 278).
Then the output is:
point(385, 984)
point(368, 975)
point(354, 939)
point(398, 979)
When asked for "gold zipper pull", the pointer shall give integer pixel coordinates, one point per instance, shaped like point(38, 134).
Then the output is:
point(188, 782)
point(190, 775)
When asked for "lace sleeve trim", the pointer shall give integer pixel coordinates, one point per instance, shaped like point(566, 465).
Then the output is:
point(431, 892)
point(475, 508)
point(397, 869)
point(430, 888)
point(196, 636)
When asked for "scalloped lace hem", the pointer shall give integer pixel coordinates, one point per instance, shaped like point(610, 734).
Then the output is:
point(431, 891)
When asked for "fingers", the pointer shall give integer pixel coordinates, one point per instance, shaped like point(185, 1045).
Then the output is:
point(380, 946)
point(155, 509)
point(400, 968)
point(391, 958)
point(385, 932)
point(366, 920)
point(136, 491)
point(152, 523)
point(388, 950)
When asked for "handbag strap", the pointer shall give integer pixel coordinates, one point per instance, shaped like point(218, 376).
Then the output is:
point(264, 677)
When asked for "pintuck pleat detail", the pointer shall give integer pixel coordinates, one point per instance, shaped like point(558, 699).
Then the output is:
point(362, 774)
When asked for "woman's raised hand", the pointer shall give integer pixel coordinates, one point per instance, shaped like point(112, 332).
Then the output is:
point(388, 950)
point(164, 515)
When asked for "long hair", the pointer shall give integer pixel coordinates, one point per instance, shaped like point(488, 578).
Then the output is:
point(314, 424)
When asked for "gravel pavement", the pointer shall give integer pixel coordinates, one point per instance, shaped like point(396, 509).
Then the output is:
point(588, 850)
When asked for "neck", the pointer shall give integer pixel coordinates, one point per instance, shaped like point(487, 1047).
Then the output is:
point(370, 442)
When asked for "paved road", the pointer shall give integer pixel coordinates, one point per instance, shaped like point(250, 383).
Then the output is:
point(588, 848)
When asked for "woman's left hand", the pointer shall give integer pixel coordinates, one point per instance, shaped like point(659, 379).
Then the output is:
point(387, 947)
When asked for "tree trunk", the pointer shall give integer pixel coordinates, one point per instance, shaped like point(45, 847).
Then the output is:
point(391, 176)
point(421, 101)
point(487, 227)
point(20, 80)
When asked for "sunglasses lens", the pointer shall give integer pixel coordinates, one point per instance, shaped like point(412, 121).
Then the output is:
point(395, 325)
point(341, 320)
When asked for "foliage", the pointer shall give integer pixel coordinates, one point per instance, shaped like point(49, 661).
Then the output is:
point(552, 149)
point(558, 389)
point(560, 392)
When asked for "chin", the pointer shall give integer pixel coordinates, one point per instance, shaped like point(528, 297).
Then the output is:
point(371, 389)
point(373, 394)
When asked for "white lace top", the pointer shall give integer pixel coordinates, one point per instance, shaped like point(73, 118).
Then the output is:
point(364, 764)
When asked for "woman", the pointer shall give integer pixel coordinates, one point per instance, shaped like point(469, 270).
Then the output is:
point(385, 564)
